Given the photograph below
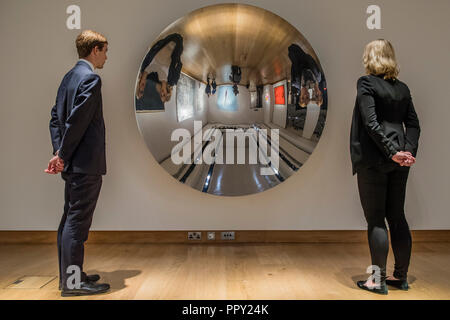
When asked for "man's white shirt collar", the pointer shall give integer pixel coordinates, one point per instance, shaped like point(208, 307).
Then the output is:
point(89, 63)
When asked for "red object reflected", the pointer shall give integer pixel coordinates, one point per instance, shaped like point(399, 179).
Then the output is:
point(279, 95)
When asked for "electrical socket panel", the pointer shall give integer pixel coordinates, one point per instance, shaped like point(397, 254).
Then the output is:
point(227, 235)
point(194, 235)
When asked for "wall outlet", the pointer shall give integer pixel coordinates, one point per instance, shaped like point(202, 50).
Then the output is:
point(211, 235)
point(227, 235)
point(194, 236)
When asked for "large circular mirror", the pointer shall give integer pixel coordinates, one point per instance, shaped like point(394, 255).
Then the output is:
point(231, 99)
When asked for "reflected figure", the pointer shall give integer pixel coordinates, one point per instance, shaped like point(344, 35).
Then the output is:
point(235, 89)
point(308, 94)
point(310, 91)
point(236, 74)
point(235, 77)
point(305, 76)
point(208, 88)
point(159, 72)
point(214, 86)
point(302, 61)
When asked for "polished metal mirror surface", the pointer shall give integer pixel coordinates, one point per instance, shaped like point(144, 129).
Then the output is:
point(231, 99)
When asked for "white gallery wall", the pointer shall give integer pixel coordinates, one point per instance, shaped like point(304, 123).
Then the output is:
point(137, 194)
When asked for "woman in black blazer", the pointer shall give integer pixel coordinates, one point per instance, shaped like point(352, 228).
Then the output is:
point(383, 145)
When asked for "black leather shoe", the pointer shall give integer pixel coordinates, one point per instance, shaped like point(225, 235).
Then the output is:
point(90, 278)
point(93, 277)
point(399, 284)
point(381, 290)
point(86, 289)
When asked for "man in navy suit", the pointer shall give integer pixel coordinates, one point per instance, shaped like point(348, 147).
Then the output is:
point(77, 131)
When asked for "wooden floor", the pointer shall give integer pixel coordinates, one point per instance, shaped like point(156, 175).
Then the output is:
point(253, 271)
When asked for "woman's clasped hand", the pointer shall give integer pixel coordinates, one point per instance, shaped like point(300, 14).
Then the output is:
point(404, 158)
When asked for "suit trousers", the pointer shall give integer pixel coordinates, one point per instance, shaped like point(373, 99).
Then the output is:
point(81, 194)
point(382, 193)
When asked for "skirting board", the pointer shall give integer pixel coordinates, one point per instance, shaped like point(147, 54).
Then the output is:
point(241, 236)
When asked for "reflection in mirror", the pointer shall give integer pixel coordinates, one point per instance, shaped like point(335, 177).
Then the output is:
point(231, 99)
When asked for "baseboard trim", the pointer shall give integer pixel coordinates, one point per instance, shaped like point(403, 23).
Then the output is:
point(242, 236)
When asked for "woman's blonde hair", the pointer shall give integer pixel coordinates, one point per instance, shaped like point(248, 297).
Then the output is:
point(379, 59)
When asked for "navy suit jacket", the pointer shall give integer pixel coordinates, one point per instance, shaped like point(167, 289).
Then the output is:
point(77, 128)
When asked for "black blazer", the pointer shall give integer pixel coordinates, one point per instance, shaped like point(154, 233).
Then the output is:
point(301, 61)
point(384, 122)
point(77, 128)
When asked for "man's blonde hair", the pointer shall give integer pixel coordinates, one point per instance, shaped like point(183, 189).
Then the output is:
point(379, 59)
point(88, 40)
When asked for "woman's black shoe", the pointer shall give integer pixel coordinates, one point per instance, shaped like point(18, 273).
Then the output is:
point(399, 284)
point(381, 290)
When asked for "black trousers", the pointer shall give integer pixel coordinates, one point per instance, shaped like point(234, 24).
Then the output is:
point(382, 192)
point(81, 194)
